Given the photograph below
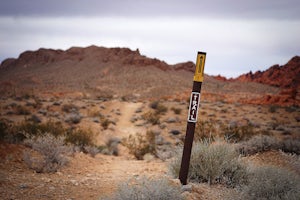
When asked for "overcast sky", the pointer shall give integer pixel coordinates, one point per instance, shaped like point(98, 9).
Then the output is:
point(238, 35)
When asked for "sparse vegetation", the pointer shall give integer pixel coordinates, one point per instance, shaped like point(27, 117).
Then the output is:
point(4, 129)
point(52, 153)
point(105, 122)
point(146, 188)
point(141, 144)
point(177, 111)
point(273, 108)
point(233, 132)
point(268, 182)
point(158, 107)
point(112, 146)
point(68, 108)
point(80, 138)
point(22, 110)
point(261, 143)
point(216, 162)
point(151, 117)
point(32, 129)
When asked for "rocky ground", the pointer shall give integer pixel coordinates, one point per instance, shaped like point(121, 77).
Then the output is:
point(87, 177)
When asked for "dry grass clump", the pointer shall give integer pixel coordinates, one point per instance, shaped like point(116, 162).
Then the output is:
point(176, 111)
point(213, 163)
point(158, 107)
point(80, 138)
point(141, 144)
point(270, 182)
point(151, 117)
point(52, 153)
point(146, 188)
point(206, 130)
point(22, 110)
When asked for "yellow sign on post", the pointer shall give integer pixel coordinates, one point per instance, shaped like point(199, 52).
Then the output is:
point(200, 62)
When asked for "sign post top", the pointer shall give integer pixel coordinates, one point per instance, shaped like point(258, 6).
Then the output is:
point(200, 62)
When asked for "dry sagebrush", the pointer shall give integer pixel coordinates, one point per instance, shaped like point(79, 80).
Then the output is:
point(213, 163)
point(145, 188)
point(51, 153)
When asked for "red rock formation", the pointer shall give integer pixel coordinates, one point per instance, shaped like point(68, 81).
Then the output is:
point(286, 76)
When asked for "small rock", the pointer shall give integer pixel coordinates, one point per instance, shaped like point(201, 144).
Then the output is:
point(35, 119)
point(96, 120)
point(74, 182)
point(23, 186)
point(148, 157)
point(159, 140)
point(186, 188)
point(171, 120)
point(175, 132)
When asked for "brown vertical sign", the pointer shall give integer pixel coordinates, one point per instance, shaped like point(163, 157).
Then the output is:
point(192, 117)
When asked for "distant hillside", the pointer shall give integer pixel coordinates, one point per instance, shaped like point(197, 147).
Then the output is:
point(100, 72)
point(285, 76)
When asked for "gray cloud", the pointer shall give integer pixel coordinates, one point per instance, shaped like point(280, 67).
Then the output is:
point(238, 36)
point(275, 9)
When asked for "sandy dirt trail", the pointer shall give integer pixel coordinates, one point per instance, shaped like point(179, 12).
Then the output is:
point(124, 126)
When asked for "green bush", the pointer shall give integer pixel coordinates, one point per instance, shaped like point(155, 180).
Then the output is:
point(270, 182)
point(141, 144)
point(213, 163)
point(146, 188)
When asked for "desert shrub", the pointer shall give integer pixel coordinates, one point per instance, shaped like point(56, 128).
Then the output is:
point(205, 130)
point(52, 153)
point(158, 107)
point(80, 138)
point(105, 122)
point(146, 188)
point(235, 132)
point(269, 182)
point(291, 145)
point(141, 144)
point(151, 117)
point(273, 108)
point(112, 146)
point(73, 118)
point(4, 129)
point(258, 143)
point(176, 111)
point(291, 109)
point(22, 110)
point(216, 162)
point(33, 129)
point(92, 150)
point(68, 108)
point(154, 104)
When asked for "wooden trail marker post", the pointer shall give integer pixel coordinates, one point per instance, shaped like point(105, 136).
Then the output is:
point(192, 117)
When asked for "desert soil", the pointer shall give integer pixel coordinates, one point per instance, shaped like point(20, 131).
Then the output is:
point(86, 177)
